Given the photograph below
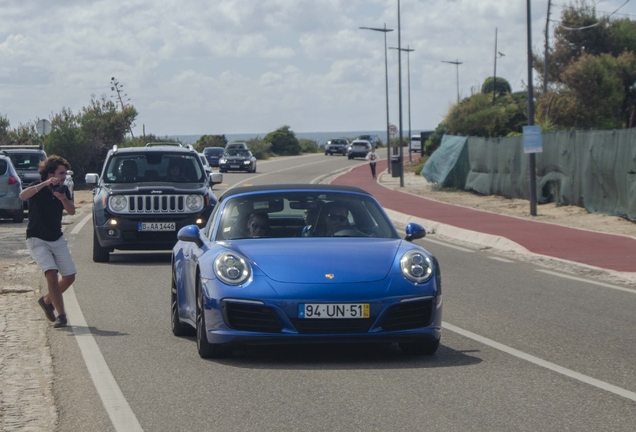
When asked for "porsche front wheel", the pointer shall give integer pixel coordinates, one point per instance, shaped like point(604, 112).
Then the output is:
point(178, 329)
point(205, 348)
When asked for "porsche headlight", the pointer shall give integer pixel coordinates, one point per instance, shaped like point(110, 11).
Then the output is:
point(416, 266)
point(232, 269)
point(194, 202)
point(118, 203)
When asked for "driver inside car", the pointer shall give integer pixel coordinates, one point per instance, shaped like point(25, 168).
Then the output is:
point(335, 218)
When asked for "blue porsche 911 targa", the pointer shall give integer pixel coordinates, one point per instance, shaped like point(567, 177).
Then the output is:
point(284, 264)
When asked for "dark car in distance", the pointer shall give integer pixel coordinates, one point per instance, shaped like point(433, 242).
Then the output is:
point(213, 154)
point(237, 160)
point(338, 146)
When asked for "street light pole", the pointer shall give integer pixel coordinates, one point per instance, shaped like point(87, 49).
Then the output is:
point(408, 50)
point(497, 55)
point(456, 63)
point(386, 80)
point(400, 157)
point(531, 160)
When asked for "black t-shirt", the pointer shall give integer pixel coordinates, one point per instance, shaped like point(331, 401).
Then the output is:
point(45, 214)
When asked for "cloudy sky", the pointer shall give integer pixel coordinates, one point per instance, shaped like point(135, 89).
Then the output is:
point(251, 66)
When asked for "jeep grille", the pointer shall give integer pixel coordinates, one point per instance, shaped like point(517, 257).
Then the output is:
point(155, 204)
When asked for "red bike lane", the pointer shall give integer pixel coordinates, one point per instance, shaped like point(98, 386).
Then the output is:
point(608, 251)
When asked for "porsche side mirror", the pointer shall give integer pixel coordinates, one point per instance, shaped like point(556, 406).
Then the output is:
point(190, 233)
point(414, 231)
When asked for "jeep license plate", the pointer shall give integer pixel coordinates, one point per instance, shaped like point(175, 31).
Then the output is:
point(157, 226)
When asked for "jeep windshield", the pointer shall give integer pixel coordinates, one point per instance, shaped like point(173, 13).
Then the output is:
point(152, 167)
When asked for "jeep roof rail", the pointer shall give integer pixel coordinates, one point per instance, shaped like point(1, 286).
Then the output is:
point(17, 146)
point(166, 143)
point(115, 148)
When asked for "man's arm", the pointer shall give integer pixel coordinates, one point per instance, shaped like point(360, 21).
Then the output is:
point(68, 204)
point(33, 189)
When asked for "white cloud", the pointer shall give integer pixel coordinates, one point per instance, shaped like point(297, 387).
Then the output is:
point(228, 66)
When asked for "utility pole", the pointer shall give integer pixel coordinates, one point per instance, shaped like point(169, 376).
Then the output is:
point(531, 156)
point(456, 63)
point(545, 55)
point(117, 88)
point(497, 54)
point(386, 80)
point(400, 157)
point(494, 88)
point(408, 50)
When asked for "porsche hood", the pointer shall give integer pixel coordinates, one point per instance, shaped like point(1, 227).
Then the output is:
point(329, 260)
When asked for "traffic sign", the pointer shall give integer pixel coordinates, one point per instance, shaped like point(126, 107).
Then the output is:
point(43, 127)
point(393, 129)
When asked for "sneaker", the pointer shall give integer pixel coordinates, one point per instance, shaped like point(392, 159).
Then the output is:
point(60, 321)
point(48, 309)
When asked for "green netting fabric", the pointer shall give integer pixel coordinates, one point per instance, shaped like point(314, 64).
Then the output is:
point(448, 165)
point(593, 169)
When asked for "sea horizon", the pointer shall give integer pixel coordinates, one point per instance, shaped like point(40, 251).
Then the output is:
point(320, 137)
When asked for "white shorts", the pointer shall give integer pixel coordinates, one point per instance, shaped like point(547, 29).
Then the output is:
point(52, 255)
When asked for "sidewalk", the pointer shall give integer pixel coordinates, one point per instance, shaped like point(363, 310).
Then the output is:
point(606, 251)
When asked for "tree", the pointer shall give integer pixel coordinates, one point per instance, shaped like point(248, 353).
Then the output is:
point(259, 147)
point(283, 141)
point(477, 116)
point(210, 141)
point(503, 86)
point(85, 138)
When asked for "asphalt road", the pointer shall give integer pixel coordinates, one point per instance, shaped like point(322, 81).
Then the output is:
point(488, 379)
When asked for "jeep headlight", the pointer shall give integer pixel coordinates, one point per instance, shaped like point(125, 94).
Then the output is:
point(416, 266)
point(194, 202)
point(118, 203)
point(232, 269)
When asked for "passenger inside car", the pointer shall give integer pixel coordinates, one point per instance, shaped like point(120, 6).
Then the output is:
point(128, 171)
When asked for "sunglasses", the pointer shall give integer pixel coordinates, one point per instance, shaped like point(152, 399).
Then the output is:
point(255, 225)
point(335, 217)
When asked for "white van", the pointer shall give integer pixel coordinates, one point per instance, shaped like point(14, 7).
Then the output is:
point(416, 144)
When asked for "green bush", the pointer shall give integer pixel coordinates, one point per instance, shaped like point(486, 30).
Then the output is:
point(435, 139)
point(308, 146)
point(283, 141)
point(259, 148)
point(503, 86)
point(210, 141)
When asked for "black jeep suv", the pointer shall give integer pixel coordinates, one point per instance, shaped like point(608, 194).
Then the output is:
point(145, 195)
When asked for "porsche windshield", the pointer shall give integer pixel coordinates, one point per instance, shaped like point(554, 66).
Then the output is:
point(303, 214)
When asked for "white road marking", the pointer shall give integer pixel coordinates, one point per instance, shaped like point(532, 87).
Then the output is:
point(543, 363)
point(588, 281)
point(448, 245)
point(117, 407)
point(500, 259)
point(80, 225)
point(249, 179)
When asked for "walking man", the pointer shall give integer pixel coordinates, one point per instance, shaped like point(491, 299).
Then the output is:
point(48, 199)
point(372, 156)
